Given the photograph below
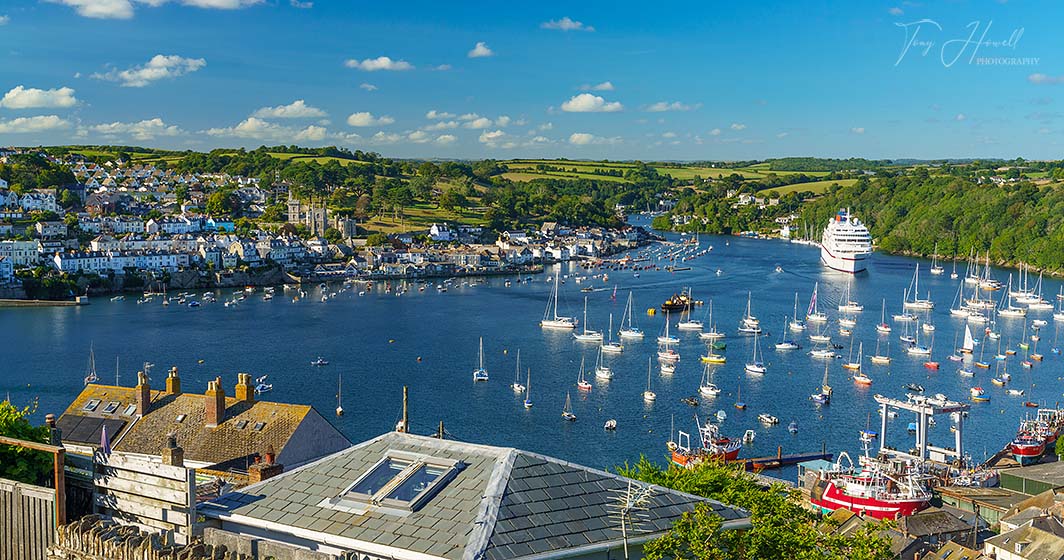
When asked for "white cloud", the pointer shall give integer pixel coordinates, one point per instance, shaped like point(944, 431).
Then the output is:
point(368, 87)
point(258, 129)
point(589, 103)
point(32, 98)
point(584, 139)
point(4, 20)
point(669, 135)
point(566, 24)
point(1044, 79)
point(546, 126)
point(124, 9)
point(662, 106)
point(143, 130)
point(418, 137)
point(960, 117)
point(738, 126)
point(857, 130)
point(604, 86)
point(896, 11)
point(442, 67)
point(379, 63)
point(434, 114)
point(382, 137)
point(491, 138)
point(714, 132)
point(301, 5)
point(297, 109)
point(783, 135)
point(366, 118)
point(159, 67)
point(41, 123)
point(502, 120)
point(481, 50)
point(442, 125)
point(445, 139)
point(478, 123)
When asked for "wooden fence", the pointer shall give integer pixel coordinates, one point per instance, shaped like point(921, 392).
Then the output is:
point(134, 490)
point(27, 520)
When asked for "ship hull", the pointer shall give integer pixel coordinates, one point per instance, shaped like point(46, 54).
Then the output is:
point(828, 498)
point(1027, 454)
point(850, 264)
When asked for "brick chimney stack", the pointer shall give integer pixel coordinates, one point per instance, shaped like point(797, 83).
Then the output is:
point(215, 403)
point(173, 382)
point(245, 391)
point(173, 454)
point(267, 468)
point(143, 393)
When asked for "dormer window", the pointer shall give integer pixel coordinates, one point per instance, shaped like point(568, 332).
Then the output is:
point(399, 483)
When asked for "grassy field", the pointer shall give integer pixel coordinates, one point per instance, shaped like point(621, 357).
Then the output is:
point(421, 216)
point(569, 163)
point(816, 187)
point(528, 174)
point(309, 158)
point(687, 173)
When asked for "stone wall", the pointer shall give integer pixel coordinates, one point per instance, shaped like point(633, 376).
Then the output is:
point(92, 538)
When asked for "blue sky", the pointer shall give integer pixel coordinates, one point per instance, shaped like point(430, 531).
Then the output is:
point(623, 80)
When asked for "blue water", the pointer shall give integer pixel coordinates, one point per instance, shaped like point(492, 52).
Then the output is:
point(375, 341)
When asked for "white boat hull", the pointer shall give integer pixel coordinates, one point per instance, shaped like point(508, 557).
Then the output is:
point(851, 263)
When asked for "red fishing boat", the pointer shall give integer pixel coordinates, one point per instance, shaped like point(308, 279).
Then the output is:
point(714, 446)
point(882, 489)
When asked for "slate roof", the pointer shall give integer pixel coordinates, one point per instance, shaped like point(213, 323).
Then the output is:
point(232, 441)
point(1038, 544)
point(934, 522)
point(505, 504)
point(954, 551)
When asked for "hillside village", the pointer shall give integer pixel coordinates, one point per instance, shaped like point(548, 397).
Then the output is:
point(136, 219)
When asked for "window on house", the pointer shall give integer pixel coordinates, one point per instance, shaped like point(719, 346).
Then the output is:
point(111, 407)
point(130, 409)
point(259, 426)
point(91, 405)
point(180, 418)
point(398, 483)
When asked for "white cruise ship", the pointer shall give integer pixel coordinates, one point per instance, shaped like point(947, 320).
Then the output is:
point(846, 244)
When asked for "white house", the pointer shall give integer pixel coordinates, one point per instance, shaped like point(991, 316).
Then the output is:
point(7, 270)
point(441, 232)
point(20, 253)
point(44, 202)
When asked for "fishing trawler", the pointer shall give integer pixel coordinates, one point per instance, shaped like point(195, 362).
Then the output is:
point(714, 446)
point(878, 488)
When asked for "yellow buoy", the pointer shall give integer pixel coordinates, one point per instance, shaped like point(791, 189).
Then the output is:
point(391, 340)
point(652, 311)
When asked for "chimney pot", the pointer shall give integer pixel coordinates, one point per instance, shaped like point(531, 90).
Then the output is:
point(172, 454)
point(173, 382)
point(215, 403)
point(143, 394)
point(245, 392)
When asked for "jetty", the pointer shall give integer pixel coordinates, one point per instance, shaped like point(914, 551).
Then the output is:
point(780, 460)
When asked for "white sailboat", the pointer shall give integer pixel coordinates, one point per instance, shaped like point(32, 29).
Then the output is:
point(666, 338)
point(688, 324)
point(481, 374)
point(756, 365)
point(795, 323)
point(90, 375)
point(852, 365)
point(581, 382)
point(528, 389)
point(813, 315)
point(587, 335)
point(914, 291)
point(749, 324)
point(648, 395)
point(1006, 308)
point(629, 330)
point(786, 343)
point(517, 386)
point(712, 333)
point(339, 395)
point(551, 319)
point(881, 359)
point(969, 341)
point(567, 411)
point(883, 327)
point(915, 347)
point(850, 306)
point(707, 388)
point(936, 267)
point(602, 371)
point(612, 347)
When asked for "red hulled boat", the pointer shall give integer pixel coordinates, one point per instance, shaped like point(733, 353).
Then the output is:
point(883, 489)
point(714, 446)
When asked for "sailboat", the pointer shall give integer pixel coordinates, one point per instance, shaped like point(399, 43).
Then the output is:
point(339, 395)
point(749, 324)
point(969, 341)
point(706, 387)
point(914, 291)
point(667, 338)
point(915, 347)
point(602, 371)
point(581, 383)
point(629, 331)
point(688, 324)
point(90, 375)
point(852, 365)
point(567, 410)
point(819, 335)
point(517, 386)
point(850, 306)
point(713, 333)
point(786, 343)
point(739, 404)
point(883, 326)
point(936, 267)
point(481, 374)
point(649, 395)
point(823, 396)
point(611, 346)
point(551, 319)
point(812, 314)
point(953, 275)
point(756, 365)
point(528, 389)
point(1006, 309)
point(957, 308)
point(795, 323)
point(881, 359)
point(587, 335)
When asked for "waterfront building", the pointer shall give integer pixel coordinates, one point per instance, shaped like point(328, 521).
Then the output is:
point(7, 270)
point(20, 253)
point(216, 431)
point(407, 497)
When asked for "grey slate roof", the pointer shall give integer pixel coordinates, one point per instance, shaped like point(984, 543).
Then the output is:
point(504, 504)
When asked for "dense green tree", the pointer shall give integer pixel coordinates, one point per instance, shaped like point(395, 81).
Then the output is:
point(17, 463)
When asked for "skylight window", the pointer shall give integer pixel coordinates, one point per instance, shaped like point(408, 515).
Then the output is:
point(399, 483)
point(130, 409)
point(91, 405)
point(111, 407)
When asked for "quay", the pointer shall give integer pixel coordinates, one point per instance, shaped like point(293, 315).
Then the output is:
point(780, 460)
point(81, 300)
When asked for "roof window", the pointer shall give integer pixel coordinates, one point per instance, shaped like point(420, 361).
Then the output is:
point(111, 407)
point(399, 483)
point(91, 405)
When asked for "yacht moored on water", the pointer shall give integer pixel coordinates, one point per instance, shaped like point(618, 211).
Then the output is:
point(846, 244)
